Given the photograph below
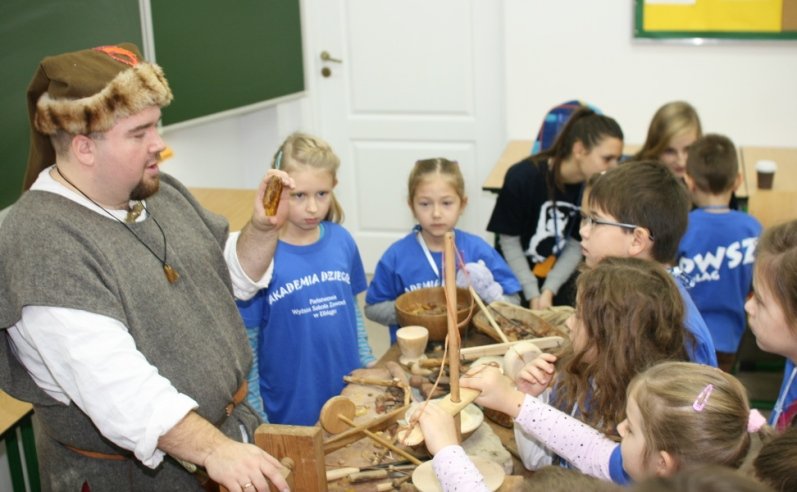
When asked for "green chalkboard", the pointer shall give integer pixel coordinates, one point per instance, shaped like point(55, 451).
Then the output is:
point(31, 30)
point(222, 55)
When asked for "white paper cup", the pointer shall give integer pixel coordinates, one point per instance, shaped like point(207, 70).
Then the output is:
point(765, 173)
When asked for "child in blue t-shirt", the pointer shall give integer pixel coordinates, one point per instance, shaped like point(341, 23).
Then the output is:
point(717, 251)
point(310, 332)
point(437, 199)
point(772, 311)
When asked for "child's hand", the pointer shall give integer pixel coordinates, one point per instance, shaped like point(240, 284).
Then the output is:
point(437, 426)
point(537, 374)
point(544, 301)
point(498, 391)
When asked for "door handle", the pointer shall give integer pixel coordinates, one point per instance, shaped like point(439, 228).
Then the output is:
point(325, 56)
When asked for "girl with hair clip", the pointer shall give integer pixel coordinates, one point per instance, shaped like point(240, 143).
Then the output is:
point(674, 127)
point(678, 415)
point(436, 196)
point(772, 311)
point(629, 316)
point(311, 332)
point(536, 214)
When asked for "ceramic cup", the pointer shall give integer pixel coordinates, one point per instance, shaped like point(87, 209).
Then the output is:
point(765, 172)
point(412, 343)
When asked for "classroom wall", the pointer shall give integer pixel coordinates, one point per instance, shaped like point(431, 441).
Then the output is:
point(556, 51)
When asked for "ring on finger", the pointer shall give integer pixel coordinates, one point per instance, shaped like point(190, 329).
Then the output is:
point(247, 485)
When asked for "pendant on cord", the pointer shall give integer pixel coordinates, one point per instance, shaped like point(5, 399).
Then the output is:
point(171, 274)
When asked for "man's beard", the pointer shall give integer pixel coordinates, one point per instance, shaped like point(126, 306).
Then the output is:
point(145, 189)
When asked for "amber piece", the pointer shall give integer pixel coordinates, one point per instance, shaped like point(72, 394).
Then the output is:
point(171, 274)
point(271, 199)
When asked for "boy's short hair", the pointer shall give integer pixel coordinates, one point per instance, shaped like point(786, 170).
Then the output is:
point(646, 194)
point(712, 164)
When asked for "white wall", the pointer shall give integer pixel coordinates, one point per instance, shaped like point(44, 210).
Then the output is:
point(583, 49)
point(554, 51)
point(233, 151)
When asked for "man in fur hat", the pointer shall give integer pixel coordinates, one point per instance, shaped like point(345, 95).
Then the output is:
point(121, 328)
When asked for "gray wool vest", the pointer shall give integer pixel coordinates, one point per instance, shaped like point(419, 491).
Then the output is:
point(54, 252)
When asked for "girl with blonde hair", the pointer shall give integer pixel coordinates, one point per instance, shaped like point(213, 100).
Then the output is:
point(308, 322)
point(674, 127)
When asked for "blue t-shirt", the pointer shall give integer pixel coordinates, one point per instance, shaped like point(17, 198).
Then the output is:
point(404, 268)
point(308, 337)
point(616, 470)
point(717, 254)
point(703, 351)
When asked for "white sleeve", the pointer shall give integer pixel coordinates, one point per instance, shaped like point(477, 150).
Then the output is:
point(584, 447)
point(243, 287)
point(93, 361)
point(456, 472)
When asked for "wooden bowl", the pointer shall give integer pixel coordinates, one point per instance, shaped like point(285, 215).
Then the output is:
point(427, 308)
point(471, 417)
point(425, 480)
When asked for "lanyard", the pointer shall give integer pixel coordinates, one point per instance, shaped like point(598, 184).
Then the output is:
point(428, 255)
point(778, 409)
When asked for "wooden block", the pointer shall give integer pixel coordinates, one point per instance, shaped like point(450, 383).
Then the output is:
point(301, 444)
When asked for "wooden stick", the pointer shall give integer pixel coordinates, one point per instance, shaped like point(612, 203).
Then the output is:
point(473, 353)
point(372, 381)
point(383, 442)
point(352, 435)
point(487, 315)
point(450, 275)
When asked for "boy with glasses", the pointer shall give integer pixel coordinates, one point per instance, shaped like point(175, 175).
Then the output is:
point(640, 209)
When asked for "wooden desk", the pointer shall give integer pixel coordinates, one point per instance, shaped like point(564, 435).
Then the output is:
point(779, 204)
point(515, 151)
point(235, 205)
point(513, 482)
point(17, 414)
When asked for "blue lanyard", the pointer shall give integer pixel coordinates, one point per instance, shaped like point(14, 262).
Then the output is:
point(778, 409)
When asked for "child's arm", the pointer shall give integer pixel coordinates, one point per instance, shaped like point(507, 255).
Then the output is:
point(516, 259)
point(383, 312)
point(584, 447)
point(453, 468)
point(565, 265)
point(367, 358)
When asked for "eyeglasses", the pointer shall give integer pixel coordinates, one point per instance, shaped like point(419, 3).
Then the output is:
point(592, 221)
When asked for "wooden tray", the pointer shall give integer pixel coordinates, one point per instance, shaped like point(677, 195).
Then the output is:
point(531, 323)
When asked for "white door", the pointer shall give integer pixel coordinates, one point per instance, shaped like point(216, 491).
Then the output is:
point(416, 79)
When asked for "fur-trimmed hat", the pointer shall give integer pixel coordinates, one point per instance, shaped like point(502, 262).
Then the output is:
point(88, 91)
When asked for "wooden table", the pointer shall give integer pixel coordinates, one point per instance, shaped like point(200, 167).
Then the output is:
point(235, 205)
point(512, 483)
point(514, 152)
point(779, 204)
point(15, 414)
